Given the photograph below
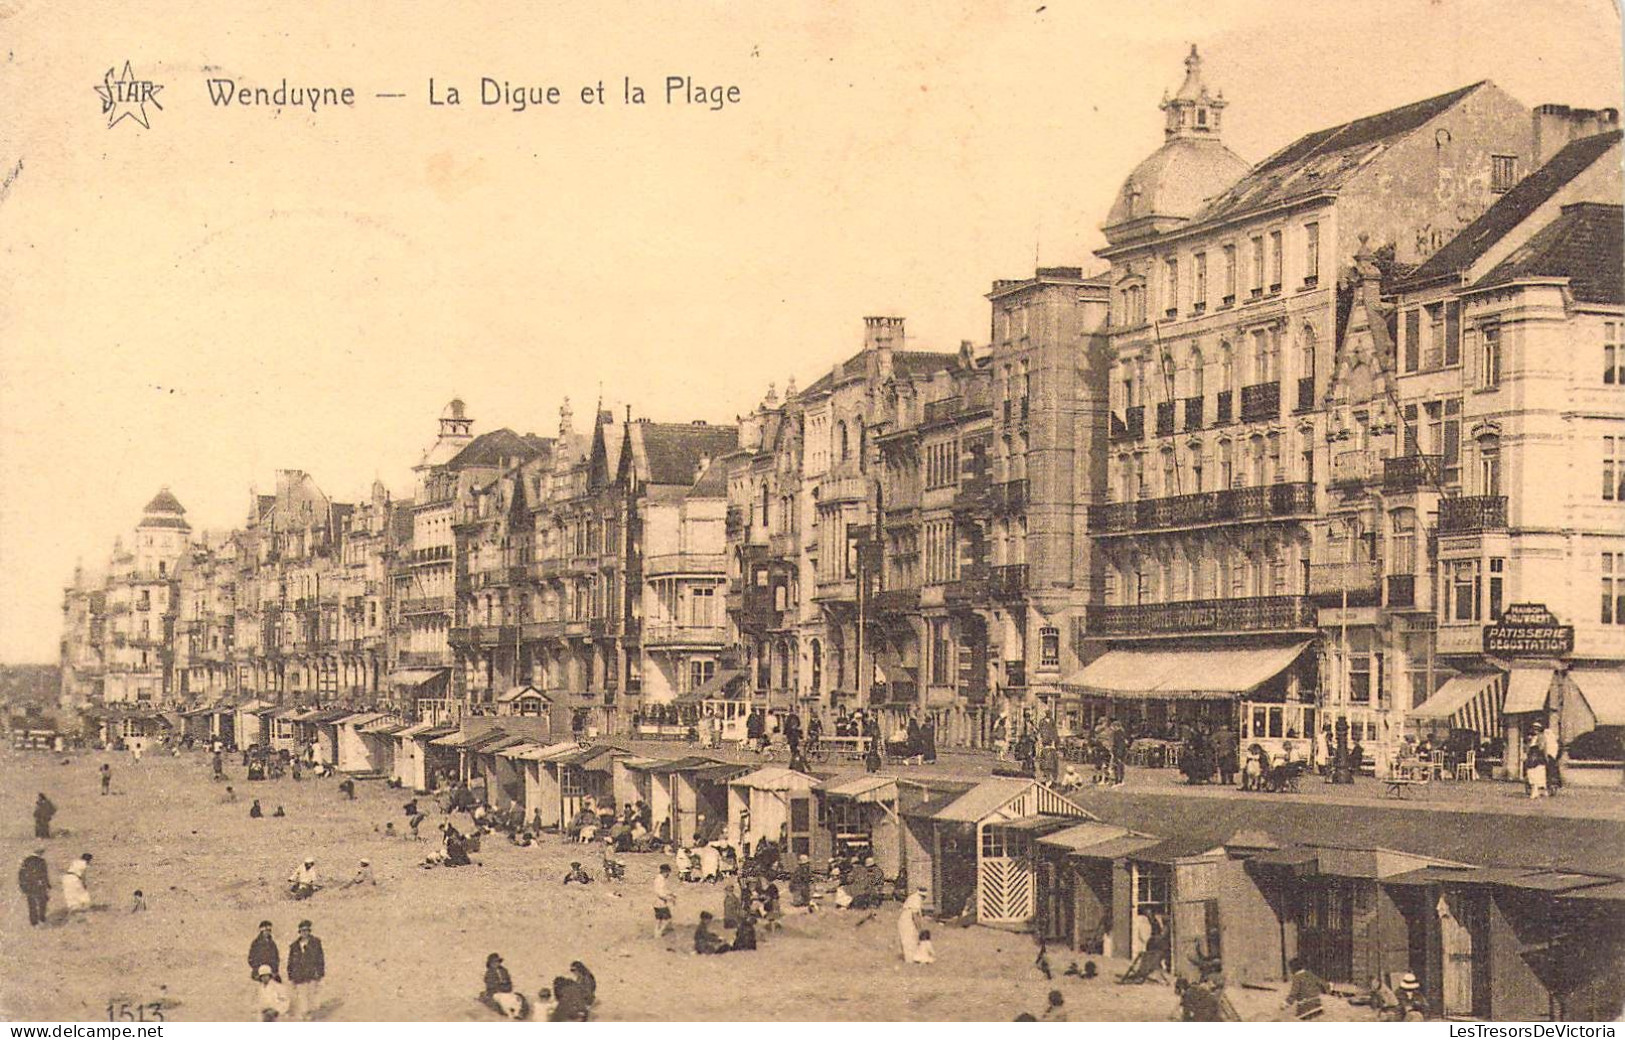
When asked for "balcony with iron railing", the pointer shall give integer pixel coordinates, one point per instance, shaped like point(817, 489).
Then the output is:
point(1472, 514)
point(1190, 617)
point(1411, 472)
point(1359, 581)
point(1237, 505)
point(1260, 402)
point(1165, 418)
point(1132, 426)
point(668, 634)
point(1193, 414)
point(685, 563)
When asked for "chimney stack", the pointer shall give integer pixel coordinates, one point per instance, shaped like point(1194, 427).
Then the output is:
point(1557, 125)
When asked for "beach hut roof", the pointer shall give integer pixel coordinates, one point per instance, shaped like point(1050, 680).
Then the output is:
point(1012, 798)
point(776, 778)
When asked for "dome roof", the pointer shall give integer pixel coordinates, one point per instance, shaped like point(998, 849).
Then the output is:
point(164, 502)
point(1175, 180)
point(455, 410)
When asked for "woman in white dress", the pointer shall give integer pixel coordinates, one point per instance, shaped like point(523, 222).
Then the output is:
point(908, 924)
point(74, 892)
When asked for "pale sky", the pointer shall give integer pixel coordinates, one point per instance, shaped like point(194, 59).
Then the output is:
point(234, 291)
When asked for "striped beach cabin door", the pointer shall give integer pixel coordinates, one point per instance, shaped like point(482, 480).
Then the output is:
point(1006, 875)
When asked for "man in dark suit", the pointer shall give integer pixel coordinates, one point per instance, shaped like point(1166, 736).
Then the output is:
point(306, 968)
point(34, 878)
point(263, 950)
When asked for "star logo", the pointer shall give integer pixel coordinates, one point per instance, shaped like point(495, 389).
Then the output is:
point(127, 97)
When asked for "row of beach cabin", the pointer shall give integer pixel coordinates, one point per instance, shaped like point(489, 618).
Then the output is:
point(1356, 892)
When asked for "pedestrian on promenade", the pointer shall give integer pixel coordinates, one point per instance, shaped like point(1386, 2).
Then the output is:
point(307, 966)
point(107, 779)
point(34, 878)
point(44, 810)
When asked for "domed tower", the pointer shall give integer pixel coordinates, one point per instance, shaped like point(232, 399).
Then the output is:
point(1192, 166)
point(161, 536)
point(456, 432)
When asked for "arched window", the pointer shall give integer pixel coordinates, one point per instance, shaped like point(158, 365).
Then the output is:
point(1196, 461)
point(1227, 371)
point(784, 664)
point(1170, 474)
point(863, 453)
point(817, 666)
point(843, 449)
point(1306, 356)
point(764, 517)
point(1227, 466)
point(1197, 374)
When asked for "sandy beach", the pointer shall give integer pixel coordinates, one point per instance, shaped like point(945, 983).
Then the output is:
point(413, 948)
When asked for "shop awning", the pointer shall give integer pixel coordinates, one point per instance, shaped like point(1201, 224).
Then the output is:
point(1182, 674)
point(415, 676)
point(1527, 690)
point(865, 789)
point(1603, 693)
point(713, 688)
point(1466, 702)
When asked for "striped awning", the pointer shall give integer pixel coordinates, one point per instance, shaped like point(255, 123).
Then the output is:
point(1467, 702)
point(1182, 674)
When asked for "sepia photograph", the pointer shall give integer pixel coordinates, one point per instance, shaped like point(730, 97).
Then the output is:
point(812, 512)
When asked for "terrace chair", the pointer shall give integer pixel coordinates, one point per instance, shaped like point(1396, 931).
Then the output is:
point(1467, 768)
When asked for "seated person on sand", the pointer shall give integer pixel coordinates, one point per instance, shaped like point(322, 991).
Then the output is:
point(499, 992)
point(705, 940)
point(577, 876)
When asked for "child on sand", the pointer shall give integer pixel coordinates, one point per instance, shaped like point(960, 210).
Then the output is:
point(664, 900)
point(270, 999)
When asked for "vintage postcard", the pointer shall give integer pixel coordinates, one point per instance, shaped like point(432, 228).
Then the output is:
point(669, 512)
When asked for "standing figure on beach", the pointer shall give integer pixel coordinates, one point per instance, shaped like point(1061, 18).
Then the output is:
point(34, 878)
point(307, 966)
point(75, 893)
point(44, 810)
